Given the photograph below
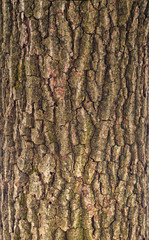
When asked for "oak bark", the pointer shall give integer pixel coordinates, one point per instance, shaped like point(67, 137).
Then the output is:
point(74, 120)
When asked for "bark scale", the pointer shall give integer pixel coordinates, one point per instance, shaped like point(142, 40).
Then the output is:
point(74, 120)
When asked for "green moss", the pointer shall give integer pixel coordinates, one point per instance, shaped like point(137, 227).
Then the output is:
point(22, 199)
point(88, 234)
point(23, 68)
point(20, 71)
point(79, 224)
point(17, 76)
point(71, 194)
point(18, 86)
point(120, 176)
point(89, 128)
point(34, 169)
point(25, 217)
point(51, 132)
point(53, 139)
point(17, 237)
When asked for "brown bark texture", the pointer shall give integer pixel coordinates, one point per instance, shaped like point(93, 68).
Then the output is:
point(74, 103)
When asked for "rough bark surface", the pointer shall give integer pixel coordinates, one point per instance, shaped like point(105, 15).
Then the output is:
point(73, 120)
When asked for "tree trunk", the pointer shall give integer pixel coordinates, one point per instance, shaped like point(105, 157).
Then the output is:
point(74, 120)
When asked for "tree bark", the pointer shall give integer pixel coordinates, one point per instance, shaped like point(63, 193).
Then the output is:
point(74, 124)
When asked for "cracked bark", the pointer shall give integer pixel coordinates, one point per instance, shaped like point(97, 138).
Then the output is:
point(74, 120)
